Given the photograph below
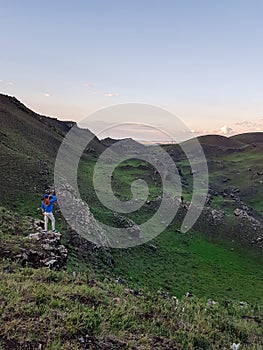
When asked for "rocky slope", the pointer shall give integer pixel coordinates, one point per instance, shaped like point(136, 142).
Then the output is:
point(22, 241)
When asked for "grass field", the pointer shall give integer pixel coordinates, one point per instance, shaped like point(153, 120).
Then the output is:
point(54, 310)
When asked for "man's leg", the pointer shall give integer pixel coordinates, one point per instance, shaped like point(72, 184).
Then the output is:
point(52, 219)
point(45, 221)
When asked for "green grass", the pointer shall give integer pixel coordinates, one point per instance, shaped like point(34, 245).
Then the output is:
point(55, 310)
point(241, 169)
point(208, 264)
point(192, 263)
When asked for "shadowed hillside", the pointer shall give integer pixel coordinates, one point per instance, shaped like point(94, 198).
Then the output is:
point(28, 146)
point(249, 138)
point(220, 141)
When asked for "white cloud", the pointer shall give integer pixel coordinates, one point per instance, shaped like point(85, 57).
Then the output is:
point(47, 94)
point(200, 131)
point(93, 90)
point(89, 85)
point(251, 125)
point(110, 94)
point(10, 83)
point(226, 130)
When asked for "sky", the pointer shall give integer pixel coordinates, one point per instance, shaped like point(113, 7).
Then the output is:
point(201, 61)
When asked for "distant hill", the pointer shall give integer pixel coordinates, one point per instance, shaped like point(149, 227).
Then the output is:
point(249, 138)
point(128, 142)
point(212, 145)
point(219, 140)
point(108, 141)
point(28, 146)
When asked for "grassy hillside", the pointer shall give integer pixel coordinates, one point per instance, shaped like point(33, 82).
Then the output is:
point(235, 164)
point(192, 263)
point(83, 309)
point(44, 309)
point(248, 138)
point(209, 261)
point(28, 148)
point(218, 261)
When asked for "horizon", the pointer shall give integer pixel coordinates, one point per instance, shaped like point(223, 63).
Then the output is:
point(199, 61)
point(120, 134)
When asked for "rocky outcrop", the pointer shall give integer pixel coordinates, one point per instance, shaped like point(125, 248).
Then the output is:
point(78, 214)
point(37, 250)
point(22, 241)
point(252, 227)
point(132, 229)
point(43, 249)
point(244, 217)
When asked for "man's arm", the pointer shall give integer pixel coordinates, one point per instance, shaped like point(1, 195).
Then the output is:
point(52, 198)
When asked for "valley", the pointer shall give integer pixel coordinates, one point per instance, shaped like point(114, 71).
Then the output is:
point(219, 259)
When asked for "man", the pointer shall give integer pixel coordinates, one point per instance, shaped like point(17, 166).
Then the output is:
point(47, 206)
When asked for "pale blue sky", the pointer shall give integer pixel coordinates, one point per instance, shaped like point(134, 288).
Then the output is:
point(202, 60)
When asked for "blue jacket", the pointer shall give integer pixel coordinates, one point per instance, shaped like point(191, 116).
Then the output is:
point(48, 209)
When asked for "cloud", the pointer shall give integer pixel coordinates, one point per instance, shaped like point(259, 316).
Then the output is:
point(200, 131)
point(89, 85)
point(226, 130)
point(251, 125)
point(47, 94)
point(245, 123)
point(93, 90)
point(110, 94)
point(10, 83)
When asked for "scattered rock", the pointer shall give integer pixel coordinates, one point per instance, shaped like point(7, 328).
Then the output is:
point(165, 295)
point(243, 303)
point(116, 300)
point(152, 247)
point(8, 269)
point(123, 222)
point(43, 249)
point(211, 302)
point(120, 280)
